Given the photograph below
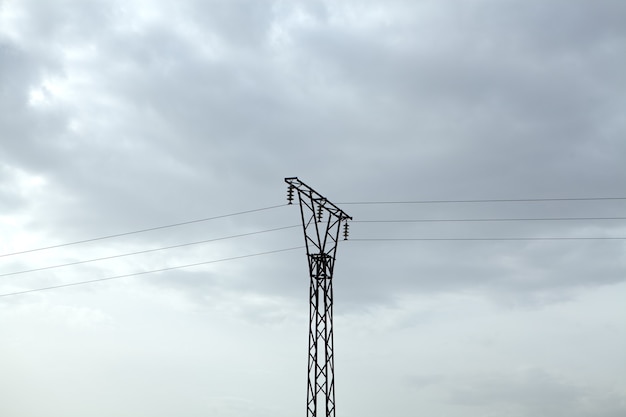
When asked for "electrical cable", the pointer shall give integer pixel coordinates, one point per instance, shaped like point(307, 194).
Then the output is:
point(508, 200)
point(150, 272)
point(142, 230)
point(481, 238)
point(282, 205)
point(490, 220)
point(146, 251)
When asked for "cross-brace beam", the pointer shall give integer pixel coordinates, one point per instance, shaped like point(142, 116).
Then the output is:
point(321, 222)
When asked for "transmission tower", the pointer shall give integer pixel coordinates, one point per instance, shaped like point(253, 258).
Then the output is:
point(321, 221)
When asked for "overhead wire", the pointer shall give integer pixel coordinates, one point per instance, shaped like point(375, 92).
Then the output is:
point(70, 284)
point(525, 219)
point(282, 205)
point(489, 220)
point(505, 200)
point(147, 251)
point(485, 239)
point(142, 230)
point(300, 247)
point(490, 238)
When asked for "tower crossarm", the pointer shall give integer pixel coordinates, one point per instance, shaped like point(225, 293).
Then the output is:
point(311, 194)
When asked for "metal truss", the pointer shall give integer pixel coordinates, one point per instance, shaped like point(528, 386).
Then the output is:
point(321, 221)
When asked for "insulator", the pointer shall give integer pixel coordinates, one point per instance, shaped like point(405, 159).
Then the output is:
point(290, 194)
point(319, 213)
point(346, 230)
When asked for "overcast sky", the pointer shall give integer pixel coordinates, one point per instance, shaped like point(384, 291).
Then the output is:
point(118, 116)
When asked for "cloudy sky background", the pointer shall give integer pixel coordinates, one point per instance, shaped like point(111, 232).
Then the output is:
point(117, 116)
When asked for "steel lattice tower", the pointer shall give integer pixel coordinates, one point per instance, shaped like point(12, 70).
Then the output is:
point(321, 221)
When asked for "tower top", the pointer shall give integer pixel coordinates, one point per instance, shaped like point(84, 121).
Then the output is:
point(302, 188)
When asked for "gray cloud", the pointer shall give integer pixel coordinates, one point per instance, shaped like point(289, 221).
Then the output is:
point(121, 116)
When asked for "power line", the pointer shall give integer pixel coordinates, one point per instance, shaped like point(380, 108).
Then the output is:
point(150, 272)
point(490, 220)
point(146, 251)
point(277, 206)
point(481, 238)
point(142, 230)
point(508, 200)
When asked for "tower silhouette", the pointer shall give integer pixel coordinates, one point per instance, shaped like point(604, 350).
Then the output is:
point(321, 223)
